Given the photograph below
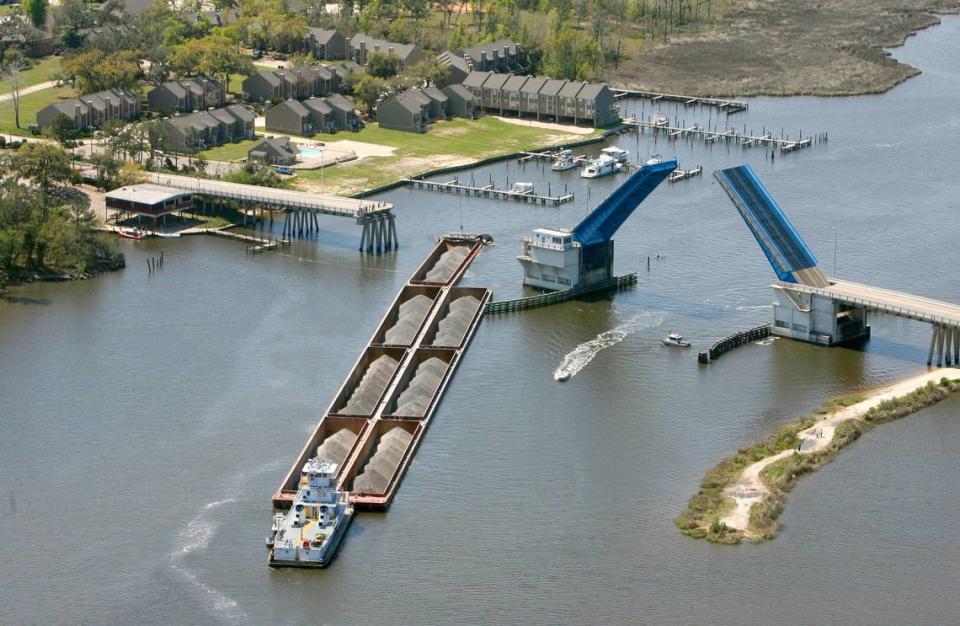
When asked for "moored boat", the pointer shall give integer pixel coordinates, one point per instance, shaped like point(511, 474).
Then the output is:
point(654, 160)
point(601, 166)
point(564, 161)
point(616, 153)
point(131, 233)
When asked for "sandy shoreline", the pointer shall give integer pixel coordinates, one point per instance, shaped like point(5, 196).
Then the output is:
point(749, 489)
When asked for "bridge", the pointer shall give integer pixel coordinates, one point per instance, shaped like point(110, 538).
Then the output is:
point(301, 208)
point(810, 307)
point(561, 259)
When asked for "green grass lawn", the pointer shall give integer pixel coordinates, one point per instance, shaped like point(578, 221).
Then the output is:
point(42, 71)
point(458, 140)
point(230, 151)
point(29, 105)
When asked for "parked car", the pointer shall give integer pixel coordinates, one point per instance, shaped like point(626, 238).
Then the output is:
point(283, 169)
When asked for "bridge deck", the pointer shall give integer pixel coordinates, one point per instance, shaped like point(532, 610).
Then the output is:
point(279, 198)
point(887, 301)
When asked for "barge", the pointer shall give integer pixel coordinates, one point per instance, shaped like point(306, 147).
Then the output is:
point(378, 418)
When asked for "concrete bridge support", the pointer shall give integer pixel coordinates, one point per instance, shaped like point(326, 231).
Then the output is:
point(945, 344)
point(379, 233)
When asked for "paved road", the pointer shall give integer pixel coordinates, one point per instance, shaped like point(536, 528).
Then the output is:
point(30, 89)
point(889, 301)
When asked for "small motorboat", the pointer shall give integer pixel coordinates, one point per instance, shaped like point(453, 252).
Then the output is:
point(564, 161)
point(131, 233)
point(675, 340)
point(524, 188)
point(562, 375)
point(654, 160)
point(660, 120)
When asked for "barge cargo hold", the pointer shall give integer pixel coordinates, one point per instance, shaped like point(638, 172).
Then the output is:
point(378, 418)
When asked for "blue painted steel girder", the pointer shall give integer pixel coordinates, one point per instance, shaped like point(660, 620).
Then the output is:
point(604, 221)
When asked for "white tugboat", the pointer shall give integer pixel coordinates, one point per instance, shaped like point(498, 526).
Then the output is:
point(601, 166)
point(310, 532)
point(564, 161)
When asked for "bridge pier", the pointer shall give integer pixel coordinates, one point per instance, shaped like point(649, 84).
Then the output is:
point(379, 233)
point(934, 339)
point(956, 346)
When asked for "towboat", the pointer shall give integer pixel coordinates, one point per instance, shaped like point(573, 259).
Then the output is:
point(131, 233)
point(617, 154)
point(564, 161)
point(654, 160)
point(309, 534)
point(601, 166)
point(676, 340)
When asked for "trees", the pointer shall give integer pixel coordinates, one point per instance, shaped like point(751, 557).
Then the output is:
point(214, 55)
point(44, 165)
point(366, 91)
point(12, 66)
point(36, 10)
point(62, 129)
point(95, 71)
point(383, 64)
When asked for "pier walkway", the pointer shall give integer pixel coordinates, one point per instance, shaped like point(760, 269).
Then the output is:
point(489, 191)
point(728, 106)
point(376, 218)
point(745, 139)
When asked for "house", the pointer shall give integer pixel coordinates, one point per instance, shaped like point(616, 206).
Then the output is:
point(305, 81)
point(343, 111)
point(460, 101)
point(457, 68)
point(313, 115)
point(93, 110)
point(498, 56)
point(325, 45)
point(510, 92)
point(550, 96)
point(530, 95)
point(206, 129)
point(360, 47)
point(539, 96)
point(438, 104)
point(193, 94)
point(322, 115)
point(274, 151)
point(409, 110)
point(291, 117)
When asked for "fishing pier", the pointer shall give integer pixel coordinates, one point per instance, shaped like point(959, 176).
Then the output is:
point(491, 191)
point(679, 175)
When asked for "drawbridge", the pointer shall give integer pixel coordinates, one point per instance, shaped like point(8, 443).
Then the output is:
point(810, 307)
point(559, 258)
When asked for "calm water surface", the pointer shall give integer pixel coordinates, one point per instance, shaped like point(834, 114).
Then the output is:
point(146, 420)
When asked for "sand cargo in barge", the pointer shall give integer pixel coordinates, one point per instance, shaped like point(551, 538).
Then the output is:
point(379, 416)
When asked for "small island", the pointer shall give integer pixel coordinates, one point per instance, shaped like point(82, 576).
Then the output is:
point(742, 497)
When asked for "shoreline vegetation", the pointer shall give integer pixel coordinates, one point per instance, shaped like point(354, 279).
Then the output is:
point(833, 49)
point(742, 496)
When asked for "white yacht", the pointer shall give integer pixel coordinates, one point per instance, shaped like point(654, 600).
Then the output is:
point(524, 188)
point(616, 153)
point(310, 532)
point(601, 166)
point(564, 161)
point(654, 160)
point(675, 339)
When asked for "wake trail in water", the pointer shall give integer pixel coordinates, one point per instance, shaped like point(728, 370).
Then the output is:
point(581, 356)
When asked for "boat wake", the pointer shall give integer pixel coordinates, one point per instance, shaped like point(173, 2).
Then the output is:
point(580, 356)
point(196, 536)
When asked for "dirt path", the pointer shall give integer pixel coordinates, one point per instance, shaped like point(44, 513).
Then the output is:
point(28, 90)
point(749, 487)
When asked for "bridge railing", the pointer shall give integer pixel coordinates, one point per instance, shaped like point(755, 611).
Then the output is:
point(876, 305)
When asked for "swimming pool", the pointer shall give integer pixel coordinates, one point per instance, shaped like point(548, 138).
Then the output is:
point(310, 153)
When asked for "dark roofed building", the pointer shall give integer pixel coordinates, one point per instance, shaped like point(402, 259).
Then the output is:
point(502, 55)
point(344, 112)
point(192, 94)
point(460, 101)
point(274, 151)
point(206, 129)
point(325, 45)
point(290, 116)
point(361, 46)
point(93, 110)
point(457, 68)
point(404, 111)
point(149, 199)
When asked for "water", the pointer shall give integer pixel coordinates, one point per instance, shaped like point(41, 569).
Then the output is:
point(147, 420)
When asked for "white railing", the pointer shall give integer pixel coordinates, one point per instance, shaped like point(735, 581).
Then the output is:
point(883, 307)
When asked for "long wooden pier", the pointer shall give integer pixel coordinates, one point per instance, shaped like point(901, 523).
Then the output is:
point(678, 175)
point(257, 243)
point(616, 283)
point(727, 135)
point(728, 106)
point(489, 191)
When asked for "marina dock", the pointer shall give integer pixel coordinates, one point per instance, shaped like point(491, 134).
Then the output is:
point(256, 243)
point(679, 175)
point(728, 135)
point(377, 419)
point(728, 106)
point(490, 191)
